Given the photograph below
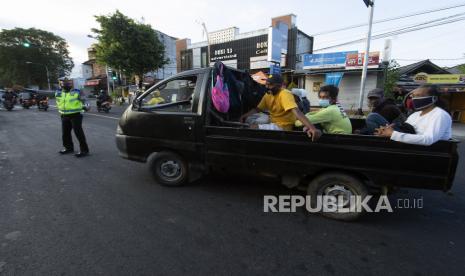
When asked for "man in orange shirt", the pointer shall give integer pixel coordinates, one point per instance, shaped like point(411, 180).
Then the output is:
point(283, 109)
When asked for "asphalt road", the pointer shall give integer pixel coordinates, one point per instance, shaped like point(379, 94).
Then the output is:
point(60, 215)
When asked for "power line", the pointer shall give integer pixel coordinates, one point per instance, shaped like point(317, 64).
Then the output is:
point(390, 19)
point(397, 32)
point(414, 59)
point(391, 30)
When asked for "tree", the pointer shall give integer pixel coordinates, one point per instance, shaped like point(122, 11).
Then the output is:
point(392, 76)
point(129, 46)
point(37, 47)
point(461, 68)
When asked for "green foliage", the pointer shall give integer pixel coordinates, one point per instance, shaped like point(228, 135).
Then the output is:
point(461, 68)
point(129, 46)
point(291, 86)
point(392, 76)
point(33, 45)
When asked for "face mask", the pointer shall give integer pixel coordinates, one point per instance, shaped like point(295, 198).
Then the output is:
point(423, 102)
point(66, 87)
point(323, 102)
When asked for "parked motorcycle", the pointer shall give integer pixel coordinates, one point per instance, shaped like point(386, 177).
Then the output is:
point(26, 103)
point(105, 106)
point(8, 104)
point(43, 104)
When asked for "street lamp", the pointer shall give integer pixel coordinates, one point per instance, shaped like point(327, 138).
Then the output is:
point(46, 69)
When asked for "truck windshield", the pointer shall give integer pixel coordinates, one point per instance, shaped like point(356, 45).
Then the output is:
point(174, 95)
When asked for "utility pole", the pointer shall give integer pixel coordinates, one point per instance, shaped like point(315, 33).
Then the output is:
point(208, 43)
point(108, 80)
point(371, 7)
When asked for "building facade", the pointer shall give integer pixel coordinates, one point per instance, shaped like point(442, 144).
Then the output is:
point(343, 69)
point(170, 69)
point(94, 73)
point(451, 84)
point(251, 50)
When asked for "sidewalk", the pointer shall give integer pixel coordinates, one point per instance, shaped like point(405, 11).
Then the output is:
point(458, 131)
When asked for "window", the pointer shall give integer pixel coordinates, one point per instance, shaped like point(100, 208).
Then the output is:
point(174, 95)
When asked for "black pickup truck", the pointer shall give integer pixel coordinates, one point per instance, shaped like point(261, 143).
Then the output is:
point(174, 127)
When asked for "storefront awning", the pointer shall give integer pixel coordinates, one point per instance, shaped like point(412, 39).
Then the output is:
point(92, 82)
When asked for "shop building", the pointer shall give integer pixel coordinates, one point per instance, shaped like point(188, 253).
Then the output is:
point(170, 68)
point(452, 86)
point(343, 69)
point(281, 43)
point(94, 73)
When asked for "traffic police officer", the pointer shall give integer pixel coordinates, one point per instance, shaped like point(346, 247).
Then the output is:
point(70, 107)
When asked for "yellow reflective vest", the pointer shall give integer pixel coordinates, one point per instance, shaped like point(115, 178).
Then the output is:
point(68, 102)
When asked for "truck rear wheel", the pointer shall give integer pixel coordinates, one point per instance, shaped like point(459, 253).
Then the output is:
point(168, 168)
point(345, 188)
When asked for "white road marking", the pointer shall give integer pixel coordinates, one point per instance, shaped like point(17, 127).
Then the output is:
point(92, 114)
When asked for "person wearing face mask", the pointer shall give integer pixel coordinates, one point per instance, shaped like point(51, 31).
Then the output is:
point(70, 106)
point(283, 109)
point(430, 121)
point(331, 116)
point(383, 111)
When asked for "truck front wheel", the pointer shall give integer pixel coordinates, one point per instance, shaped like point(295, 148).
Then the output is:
point(168, 168)
point(339, 193)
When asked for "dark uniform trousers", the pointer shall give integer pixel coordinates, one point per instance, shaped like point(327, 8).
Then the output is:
point(73, 122)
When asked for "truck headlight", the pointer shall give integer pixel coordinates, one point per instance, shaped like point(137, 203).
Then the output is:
point(119, 130)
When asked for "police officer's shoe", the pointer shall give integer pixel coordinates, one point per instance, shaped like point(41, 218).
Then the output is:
point(81, 154)
point(66, 151)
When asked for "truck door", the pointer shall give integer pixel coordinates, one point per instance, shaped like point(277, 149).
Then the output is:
point(167, 115)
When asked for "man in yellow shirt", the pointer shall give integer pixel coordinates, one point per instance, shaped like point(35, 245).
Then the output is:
point(157, 99)
point(283, 109)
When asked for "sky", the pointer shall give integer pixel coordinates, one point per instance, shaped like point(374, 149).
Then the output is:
point(73, 20)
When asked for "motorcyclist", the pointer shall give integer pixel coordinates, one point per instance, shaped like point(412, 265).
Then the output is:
point(40, 98)
point(9, 95)
point(101, 98)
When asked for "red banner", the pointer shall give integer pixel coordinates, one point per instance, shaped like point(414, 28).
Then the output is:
point(92, 82)
point(355, 61)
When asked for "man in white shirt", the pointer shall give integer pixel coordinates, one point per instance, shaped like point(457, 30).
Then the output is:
point(431, 122)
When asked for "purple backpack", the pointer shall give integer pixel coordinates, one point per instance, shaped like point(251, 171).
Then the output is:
point(220, 93)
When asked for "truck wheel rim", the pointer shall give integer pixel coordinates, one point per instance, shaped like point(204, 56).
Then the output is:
point(170, 169)
point(339, 191)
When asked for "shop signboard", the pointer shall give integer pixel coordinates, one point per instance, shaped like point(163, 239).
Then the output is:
point(277, 41)
point(262, 62)
point(275, 68)
point(326, 60)
point(439, 78)
point(355, 61)
point(242, 52)
point(445, 78)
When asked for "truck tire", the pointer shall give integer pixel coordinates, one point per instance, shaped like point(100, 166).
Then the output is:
point(168, 168)
point(337, 184)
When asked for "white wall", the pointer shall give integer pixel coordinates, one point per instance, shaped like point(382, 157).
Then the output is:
point(349, 89)
point(86, 72)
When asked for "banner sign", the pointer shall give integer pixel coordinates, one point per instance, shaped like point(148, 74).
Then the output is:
point(275, 69)
point(439, 78)
point(355, 61)
point(333, 78)
point(326, 60)
point(277, 42)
